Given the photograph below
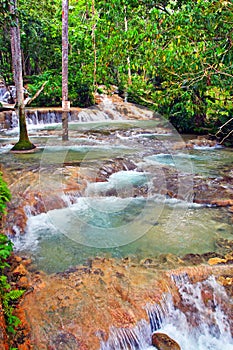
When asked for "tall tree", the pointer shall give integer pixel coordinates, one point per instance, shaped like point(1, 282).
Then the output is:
point(94, 45)
point(24, 142)
point(128, 57)
point(65, 48)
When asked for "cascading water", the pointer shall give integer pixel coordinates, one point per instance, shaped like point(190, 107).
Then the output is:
point(200, 321)
point(120, 188)
point(130, 213)
point(119, 227)
point(3, 91)
point(106, 111)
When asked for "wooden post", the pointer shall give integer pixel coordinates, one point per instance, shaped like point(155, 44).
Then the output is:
point(65, 48)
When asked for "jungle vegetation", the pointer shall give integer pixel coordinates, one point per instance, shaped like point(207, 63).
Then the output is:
point(173, 56)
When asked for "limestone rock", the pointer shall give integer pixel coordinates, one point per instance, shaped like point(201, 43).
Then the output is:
point(214, 261)
point(3, 334)
point(20, 270)
point(23, 282)
point(163, 342)
point(222, 202)
point(225, 281)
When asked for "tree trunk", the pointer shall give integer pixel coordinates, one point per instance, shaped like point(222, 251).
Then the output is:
point(128, 58)
point(24, 142)
point(65, 102)
point(94, 48)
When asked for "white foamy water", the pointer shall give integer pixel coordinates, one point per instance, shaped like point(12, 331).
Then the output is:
point(6, 148)
point(138, 227)
point(201, 325)
point(142, 135)
point(121, 182)
point(208, 148)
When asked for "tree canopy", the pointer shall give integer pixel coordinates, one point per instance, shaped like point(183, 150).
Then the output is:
point(179, 54)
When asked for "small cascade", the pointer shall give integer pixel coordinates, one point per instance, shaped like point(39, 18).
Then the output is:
point(44, 116)
point(95, 115)
point(14, 120)
point(70, 198)
point(37, 117)
point(123, 338)
point(105, 111)
point(3, 91)
point(201, 320)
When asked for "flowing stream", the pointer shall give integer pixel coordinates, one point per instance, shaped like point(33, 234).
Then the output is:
point(212, 329)
point(111, 226)
point(126, 211)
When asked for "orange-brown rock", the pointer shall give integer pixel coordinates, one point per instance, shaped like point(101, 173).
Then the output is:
point(20, 270)
point(22, 337)
point(31, 196)
point(75, 306)
point(3, 336)
point(18, 259)
point(215, 261)
point(27, 262)
point(227, 259)
point(222, 202)
point(200, 141)
point(163, 342)
point(23, 282)
point(225, 281)
point(207, 296)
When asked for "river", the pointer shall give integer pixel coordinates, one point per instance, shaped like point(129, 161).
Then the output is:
point(120, 189)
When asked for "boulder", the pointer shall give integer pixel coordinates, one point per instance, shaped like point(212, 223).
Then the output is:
point(163, 342)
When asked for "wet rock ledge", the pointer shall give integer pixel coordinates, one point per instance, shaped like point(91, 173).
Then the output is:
point(55, 309)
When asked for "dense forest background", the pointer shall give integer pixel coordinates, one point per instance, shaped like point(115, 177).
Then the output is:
point(173, 56)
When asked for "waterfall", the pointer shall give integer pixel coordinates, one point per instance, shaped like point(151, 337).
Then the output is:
point(123, 338)
point(44, 117)
point(105, 111)
point(200, 321)
point(3, 91)
point(14, 120)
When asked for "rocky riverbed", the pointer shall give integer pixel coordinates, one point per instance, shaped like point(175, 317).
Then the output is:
point(75, 308)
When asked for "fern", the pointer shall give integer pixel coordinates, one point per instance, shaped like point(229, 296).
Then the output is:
point(8, 296)
point(14, 294)
point(8, 299)
point(6, 247)
point(4, 195)
point(4, 285)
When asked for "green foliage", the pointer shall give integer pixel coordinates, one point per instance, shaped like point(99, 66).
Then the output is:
point(8, 301)
point(4, 195)
point(80, 89)
point(173, 54)
point(6, 247)
point(8, 296)
point(51, 94)
point(5, 244)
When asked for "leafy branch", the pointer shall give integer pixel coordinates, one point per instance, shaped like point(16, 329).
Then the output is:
point(8, 296)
